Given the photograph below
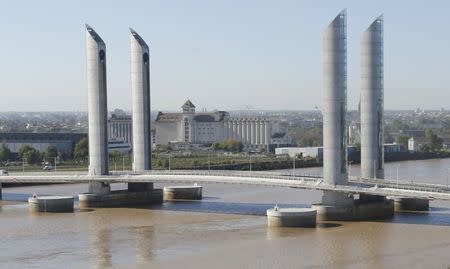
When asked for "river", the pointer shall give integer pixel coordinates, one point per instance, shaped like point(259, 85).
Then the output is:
point(227, 229)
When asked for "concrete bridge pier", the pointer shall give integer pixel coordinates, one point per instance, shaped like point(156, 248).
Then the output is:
point(344, 207)
point(99, 187)
point(100, 195)
point(411, 204)
point(135, 187)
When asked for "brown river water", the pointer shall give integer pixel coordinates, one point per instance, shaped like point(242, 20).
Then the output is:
point(227, 229)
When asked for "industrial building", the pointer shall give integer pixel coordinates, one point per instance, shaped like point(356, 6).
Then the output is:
point(120, 127)
point(191, 127)
point(64, 142)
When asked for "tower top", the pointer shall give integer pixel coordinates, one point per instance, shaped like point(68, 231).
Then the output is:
point(188, 106)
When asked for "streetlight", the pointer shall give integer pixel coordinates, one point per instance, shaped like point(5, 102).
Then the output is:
point(23, 164)
point(374, 169)
point(397, 174)
point(209, 160)
point(447, 176)
point(169, 161)
point(55, 163)
point(293, 165)
point(123, 163)
point(250, 166)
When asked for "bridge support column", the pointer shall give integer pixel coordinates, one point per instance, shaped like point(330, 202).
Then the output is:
point(291, 217)
point(100, 195)
point(183, 192)
point(343, 207)
point(140, 186)
point(99, 188)
point(411, 204)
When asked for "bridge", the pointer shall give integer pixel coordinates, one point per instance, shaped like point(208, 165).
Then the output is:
point(356, 185)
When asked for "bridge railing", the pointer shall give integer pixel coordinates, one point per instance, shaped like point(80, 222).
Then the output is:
point(230, 173)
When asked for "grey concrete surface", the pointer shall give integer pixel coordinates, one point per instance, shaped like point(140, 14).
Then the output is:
point(51, 203)
point(183, 192)
point(97, 103)
point(291, 217)
point(372, 99)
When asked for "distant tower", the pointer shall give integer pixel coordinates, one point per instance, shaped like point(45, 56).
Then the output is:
point(335, 101)
point(97, 106)
point(140, 86)
point(372, 142)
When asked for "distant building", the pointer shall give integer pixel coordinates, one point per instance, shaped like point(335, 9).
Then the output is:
point(394, 148)
point(413, 133)
point(120, 127)
point(317, 152)
point(119, 145)
point(313, 152)
point(191, 127)
point(354, 133)
point(413, 144)
point(64, 142)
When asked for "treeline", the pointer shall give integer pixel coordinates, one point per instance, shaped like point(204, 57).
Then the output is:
point(229, 145)
point(28, 154)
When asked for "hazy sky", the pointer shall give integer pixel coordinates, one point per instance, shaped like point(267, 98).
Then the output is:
point(220, 54)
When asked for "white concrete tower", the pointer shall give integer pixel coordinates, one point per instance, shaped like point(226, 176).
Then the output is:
point(97, 103)
point(140, 92)
point(335, 101)
point(372, 142)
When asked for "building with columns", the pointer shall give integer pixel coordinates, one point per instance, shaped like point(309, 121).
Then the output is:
point(191, 127)
point(120, 127)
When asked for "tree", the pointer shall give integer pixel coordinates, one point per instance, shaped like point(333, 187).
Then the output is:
point(5, 153)
point(32, 156)
point(24, 149)
point(403, 140)
point(229, 145)
point(81, 150)
point(167, 147)
point(51, 152)
point(309, 137)
point(434, 142)
point(166, 163)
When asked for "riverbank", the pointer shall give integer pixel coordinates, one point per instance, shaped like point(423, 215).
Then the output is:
point(286, 163)
point(240, 162)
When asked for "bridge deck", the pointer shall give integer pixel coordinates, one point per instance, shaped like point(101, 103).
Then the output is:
point(356, 186)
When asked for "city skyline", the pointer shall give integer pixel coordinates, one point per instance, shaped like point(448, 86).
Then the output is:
point(267, 55)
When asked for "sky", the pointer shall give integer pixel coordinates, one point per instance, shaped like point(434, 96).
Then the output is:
point(220, 54)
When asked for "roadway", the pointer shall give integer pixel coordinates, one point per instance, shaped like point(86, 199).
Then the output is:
point(355, 186)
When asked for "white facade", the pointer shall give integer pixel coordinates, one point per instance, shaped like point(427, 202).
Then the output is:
point(412, 144)
point(120, 127)
point(209, 127)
